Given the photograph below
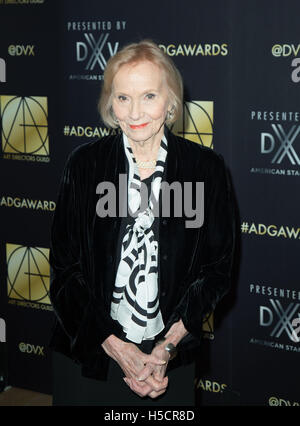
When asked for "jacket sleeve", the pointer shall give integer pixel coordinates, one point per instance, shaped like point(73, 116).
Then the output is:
point(213, 281)
point(83, 318)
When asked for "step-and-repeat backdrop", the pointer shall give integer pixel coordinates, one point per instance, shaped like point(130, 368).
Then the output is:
point(240, 62)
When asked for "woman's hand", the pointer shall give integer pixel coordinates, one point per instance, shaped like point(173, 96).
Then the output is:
point(154, 371)
point(174, 335)
point(132, 361)
point(145, 374)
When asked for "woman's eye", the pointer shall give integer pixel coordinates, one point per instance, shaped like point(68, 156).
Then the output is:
point(122, 98)
point(150, 96)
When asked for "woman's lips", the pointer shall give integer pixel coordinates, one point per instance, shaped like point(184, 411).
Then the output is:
point(137, 126)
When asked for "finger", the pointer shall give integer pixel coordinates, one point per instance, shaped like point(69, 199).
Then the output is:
point(156, 385)
point(143, 389)
point(159, 373)
point(131, 382)
point(140, 389)
point(159, 377)
point(146, 372)
point(154, 360)
point(154, 394)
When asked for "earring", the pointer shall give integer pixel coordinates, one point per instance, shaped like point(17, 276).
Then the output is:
point(170, 114)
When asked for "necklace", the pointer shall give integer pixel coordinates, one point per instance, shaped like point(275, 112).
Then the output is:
point(146, 164)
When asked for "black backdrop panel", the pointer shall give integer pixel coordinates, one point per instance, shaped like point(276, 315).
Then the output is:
point(266, 170)
point(28, 108)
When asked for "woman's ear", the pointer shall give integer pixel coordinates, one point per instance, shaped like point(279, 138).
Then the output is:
point(170, 112)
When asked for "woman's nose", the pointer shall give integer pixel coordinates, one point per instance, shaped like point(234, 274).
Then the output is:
point(135, 110)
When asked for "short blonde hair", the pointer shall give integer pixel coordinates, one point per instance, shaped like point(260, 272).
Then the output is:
point(145, 50)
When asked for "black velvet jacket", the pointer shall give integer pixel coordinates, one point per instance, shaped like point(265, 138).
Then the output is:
point(194, 267)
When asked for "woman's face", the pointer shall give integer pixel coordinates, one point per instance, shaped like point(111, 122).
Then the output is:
point(140, 100)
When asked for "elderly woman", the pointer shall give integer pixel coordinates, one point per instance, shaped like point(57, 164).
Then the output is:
point(130, 290)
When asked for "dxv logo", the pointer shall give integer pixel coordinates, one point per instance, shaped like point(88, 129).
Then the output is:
point(96, 48)
point(286, 320)
point(2, 331)
point(286, 140)
point(2, 71)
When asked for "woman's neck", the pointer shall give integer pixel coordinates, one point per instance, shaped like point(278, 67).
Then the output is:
point(146, 150)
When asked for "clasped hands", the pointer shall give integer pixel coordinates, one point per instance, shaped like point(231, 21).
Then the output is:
point(144, 373)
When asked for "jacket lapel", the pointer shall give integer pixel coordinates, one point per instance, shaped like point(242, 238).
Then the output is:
point(172, 157)
point(110, 163)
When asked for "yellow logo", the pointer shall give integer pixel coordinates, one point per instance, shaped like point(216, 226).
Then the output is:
point(28, 273)
point(24, 125)
point(31, 349)
point(196, 123)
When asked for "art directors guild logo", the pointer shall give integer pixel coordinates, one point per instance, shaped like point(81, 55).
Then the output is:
point(196, 123)
point(24, 128)
point(278, 317)
point(91, 44)
point(28, 276)
point(277, 144)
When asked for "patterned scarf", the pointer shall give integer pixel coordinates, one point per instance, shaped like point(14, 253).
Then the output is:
point(135, 303)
